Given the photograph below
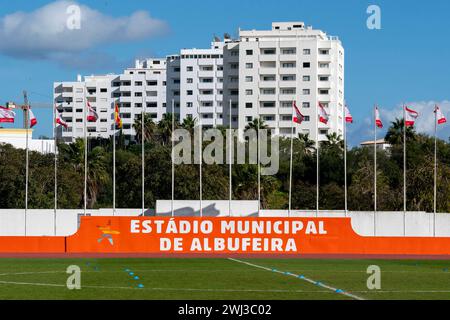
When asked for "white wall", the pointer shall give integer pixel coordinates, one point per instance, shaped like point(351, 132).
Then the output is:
point(40, 222)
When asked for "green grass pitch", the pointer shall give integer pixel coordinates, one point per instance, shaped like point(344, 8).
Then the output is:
point(178, 278)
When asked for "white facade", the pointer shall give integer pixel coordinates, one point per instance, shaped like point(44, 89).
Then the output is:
point(195, 81)
point(289, 62)
point(18, 139)
point(255, 76)
point(145, 82)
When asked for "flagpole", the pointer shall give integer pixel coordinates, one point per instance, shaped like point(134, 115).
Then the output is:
point(435, 172)
point(290, 163)
point(258, 156)
point(229, 163)
point(56, 173)
point(27, 122)
point(85, 148)
point(317, 161)
point(375, 172)
point(114, 162)
point(200, 139)
point(345, 164)
point(173, 157)
point(404, 170)
point(144, 104)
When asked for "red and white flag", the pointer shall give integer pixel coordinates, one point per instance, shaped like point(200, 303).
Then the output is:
point(378, 121)
point(92, 115)
point(33, 120)
point(410, 117)
point(348, 115)
point(299, 116)
point(323, 116)
point(439, 116)
point(59, 120)
point(6, 115)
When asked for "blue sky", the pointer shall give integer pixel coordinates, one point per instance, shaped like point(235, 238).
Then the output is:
point(406, 61)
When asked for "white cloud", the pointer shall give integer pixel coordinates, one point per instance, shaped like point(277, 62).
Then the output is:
point(43, 33)
point(425, 121)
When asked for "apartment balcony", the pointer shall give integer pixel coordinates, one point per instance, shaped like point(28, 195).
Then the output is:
point(288, 84)
point(125, 99)
point(288, 71)
point(267, 84)
point(205, 74)
point(66, 95)
point(267, 57)
point(267, 111)
point(206, 97)
point(205, 86)
point(207, 121)
point(285, 123)
point(267, 97)
point(265, 70)
point(287, 97)
point(288, 57)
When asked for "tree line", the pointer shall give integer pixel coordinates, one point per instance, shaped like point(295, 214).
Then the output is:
point(274, 189)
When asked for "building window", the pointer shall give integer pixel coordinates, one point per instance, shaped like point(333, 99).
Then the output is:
point(306, 91)
point(306, 78)
point(323, 131)
point(324, 51)
point(249, 65)
point(323, 91)
point(249, 92)
point(249, 105)
point(269, 51)
point(189, 92)
point(306, 65)
point(248, 79)
point(288, 65)
point(138, 83)
point(189, 80)
point(189, 68)
point(324, 65)
point(307, 118)
point(268, 104)
point(189, 104)
point(249, 118)
point(305, 104)
point(138, 94)
point(288, 78)
point(249, 52)
point(306, 51)
point(152, 83)
point(288, 51)
point(326, 78)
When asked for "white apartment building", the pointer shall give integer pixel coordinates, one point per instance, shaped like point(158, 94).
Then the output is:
point(145, 83)
point(195, 84)
point(255, 76)
point(268, 69)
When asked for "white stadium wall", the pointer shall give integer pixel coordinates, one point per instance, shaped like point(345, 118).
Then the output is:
point(40, 222)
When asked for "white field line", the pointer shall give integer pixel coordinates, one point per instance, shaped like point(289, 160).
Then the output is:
point(302, 278)
point(219, 290)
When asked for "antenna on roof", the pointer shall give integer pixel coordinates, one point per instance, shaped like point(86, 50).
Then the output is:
point(216, 38)
point(226, 36)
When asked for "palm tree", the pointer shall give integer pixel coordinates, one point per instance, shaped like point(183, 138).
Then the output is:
point(308, 144)
point(394, 135)
point(256, 124)
point(165, 128)
point(149, 127)
point(97, 174)
point(334, 140)
point(189, 123)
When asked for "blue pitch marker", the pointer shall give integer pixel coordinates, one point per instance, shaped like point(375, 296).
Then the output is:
point(301, 276)
point(136, 278)
point(339, 291)
point(140, 285)
point(127, 270)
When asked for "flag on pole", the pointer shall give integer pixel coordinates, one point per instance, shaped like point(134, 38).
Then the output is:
point(410, 117)
point(299, 116)
point(92, 114)
point(323, 116)
point(439, 116)
point(6, 115)
point(117, 118)
point(59, 120)
point(378, 121)
point(33, 120)
point(348, 115)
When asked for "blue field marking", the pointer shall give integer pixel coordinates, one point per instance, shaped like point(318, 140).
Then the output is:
point(140, 285)
point(325, 286)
